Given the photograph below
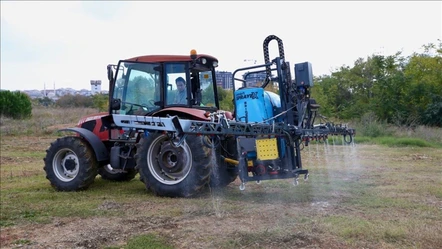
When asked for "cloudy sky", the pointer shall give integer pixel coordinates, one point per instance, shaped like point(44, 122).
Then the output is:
point(70, 43)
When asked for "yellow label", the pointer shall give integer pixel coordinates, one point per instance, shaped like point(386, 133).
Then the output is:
point(267, 149)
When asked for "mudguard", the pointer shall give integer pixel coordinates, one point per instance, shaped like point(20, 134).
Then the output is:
point(98, 146)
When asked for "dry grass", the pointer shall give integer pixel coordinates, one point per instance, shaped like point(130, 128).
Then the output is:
point(44, 121)
point(431, 134)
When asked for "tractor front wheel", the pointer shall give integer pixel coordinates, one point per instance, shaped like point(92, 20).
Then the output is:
point(70, 164)
point(173, 171)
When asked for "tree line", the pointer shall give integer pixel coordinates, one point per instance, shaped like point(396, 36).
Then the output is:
point(403, 90)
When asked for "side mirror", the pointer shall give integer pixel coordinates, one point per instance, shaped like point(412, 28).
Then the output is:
point(110, 73)
point(116, 104)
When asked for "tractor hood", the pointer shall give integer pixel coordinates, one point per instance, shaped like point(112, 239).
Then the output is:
point(191, 113)
point(96, 116)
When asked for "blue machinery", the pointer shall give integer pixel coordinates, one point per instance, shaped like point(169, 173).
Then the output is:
point(289, 118)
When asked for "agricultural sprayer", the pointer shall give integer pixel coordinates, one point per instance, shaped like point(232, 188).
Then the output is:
point(179, 148)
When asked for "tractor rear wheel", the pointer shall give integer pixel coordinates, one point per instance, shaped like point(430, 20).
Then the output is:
point(70, 164)
point(223, 174)
point(108, 173)
point(172, 171)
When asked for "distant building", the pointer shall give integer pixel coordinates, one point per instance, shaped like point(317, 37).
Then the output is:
point(34, 93)
point(85, 92)
point(224, 79)
point(95, 86)
point(254, 79)
point(55, 94)
point(51, 94)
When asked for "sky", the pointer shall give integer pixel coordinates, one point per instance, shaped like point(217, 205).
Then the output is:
point(69, 43)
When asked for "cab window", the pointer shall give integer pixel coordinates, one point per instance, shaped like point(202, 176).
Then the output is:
point(137, 87)
point(207, 91)
point(176, 84)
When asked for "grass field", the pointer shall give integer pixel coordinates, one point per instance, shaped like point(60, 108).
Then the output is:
point(358, 196)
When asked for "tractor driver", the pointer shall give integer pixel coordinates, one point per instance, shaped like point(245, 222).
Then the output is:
point(181, 94)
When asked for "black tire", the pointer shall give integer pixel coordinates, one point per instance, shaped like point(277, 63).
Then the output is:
point(108, 173)
point(70, 164)
point(224, 173)
point(188, 166)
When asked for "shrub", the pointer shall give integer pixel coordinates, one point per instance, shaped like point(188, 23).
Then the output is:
point(70, 101)
point(44, 102)
point(371, 126)
point(16, 105)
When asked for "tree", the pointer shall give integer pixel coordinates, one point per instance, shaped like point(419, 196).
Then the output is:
point(101, 101)
point(433, 114)
point(424, 75)
point(225, 98)
point(397, 89)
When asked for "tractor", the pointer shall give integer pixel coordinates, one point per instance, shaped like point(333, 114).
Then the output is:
point(179, 149)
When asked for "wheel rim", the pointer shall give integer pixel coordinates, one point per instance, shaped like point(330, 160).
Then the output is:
point(108, 168)
point(168, 164)
point(66, 165)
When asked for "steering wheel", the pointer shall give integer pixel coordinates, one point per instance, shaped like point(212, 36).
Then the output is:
point(152, 102)
point(130, 111)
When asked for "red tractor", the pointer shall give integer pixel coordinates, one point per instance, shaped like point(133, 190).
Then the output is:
point(164, 123)
point(168, 166)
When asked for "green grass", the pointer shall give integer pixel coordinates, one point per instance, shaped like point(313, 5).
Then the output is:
point(375, 230)
point(361, 196)
point(21, 242)
point(392, 141)
point(403, 141)
point(147, 241)
point(382, 192)
point(39, 202)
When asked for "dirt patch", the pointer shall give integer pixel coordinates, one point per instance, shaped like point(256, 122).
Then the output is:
point(183, 232)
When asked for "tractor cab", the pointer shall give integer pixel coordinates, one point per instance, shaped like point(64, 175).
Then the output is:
point(148, 84)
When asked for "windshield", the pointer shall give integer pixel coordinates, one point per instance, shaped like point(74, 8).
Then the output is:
point(142, 88)
point(137, 86)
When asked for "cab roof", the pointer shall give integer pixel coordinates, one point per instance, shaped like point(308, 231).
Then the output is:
point(168, 58)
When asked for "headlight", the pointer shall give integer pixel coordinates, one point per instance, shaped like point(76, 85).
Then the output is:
point(203, 60)
point(215, 63)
